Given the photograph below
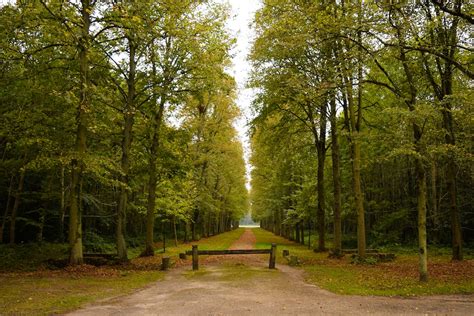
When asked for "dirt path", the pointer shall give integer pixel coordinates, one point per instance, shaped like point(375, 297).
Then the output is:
point(248, 287)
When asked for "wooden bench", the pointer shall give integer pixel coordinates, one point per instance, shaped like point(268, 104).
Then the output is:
point(195, 253)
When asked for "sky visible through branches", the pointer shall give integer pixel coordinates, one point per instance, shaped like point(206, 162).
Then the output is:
point(243, 12)
point(239, 25)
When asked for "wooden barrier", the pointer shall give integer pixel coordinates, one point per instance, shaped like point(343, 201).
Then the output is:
point(195, 253)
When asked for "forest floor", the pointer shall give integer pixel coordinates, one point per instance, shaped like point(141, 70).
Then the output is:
point(236, 285)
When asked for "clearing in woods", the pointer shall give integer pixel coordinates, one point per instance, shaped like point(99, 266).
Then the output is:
point(243, 285)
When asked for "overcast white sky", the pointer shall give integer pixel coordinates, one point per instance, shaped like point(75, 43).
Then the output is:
point(243, 12)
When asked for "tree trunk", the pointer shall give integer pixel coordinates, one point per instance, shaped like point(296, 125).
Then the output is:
point(356, 175)
point(421, 199)
point(336, 177)
point(42, 218)
point(43, 211)
point(359, 200)
point(302, 232)
point(186, 229)
point(454, 212)
point(297, 233)
point(321, 201)
point(208, 226)
point(419, 167)
point(152, 182)
point(128, 116)
point(77, 164)
point(175, 233)
point(434, 201)
point(446, 36)
point(451, 165)
point(309, 234)
point(16, 205)
point(194, 224)
point(163, 233)
point(7, 208)
point(319, 138)
point(361, 238)
point(62, 205)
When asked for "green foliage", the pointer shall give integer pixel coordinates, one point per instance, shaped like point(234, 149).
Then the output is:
point(307, 52)
point(367, 260)
point(94, 243)
point(29, 257)
point(136, 58)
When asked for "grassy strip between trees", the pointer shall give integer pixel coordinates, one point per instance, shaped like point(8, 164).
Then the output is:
point(44, 291)
point(398, 278)
point(51, 293)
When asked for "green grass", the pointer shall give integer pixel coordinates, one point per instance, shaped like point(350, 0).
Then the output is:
point(20, 294)
point(218, 242)
point(26, 290)
point(398, 278)
point(353, 281)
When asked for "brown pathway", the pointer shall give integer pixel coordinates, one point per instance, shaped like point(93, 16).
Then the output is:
point(249, 288)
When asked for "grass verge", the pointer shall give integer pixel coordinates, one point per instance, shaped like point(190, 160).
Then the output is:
point(28, 287)
point(398, 278)
point(54, 293)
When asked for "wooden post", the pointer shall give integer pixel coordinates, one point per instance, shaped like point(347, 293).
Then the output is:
point(165, 263)
point(271, 264)
point(195, 258)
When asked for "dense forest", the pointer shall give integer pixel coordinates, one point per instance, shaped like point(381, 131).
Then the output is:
point(363, 128)
point(117, 124)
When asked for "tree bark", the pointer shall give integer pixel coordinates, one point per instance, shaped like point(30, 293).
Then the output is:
point(62, 206)
point(7, 208)
point(336, 177)
point(320, 144)
point(447, 38)
point(128, 116)
point(420, 171)
point(297, 233)
point(359, 200)
point(421, 202)
point(16, 205)
point(321, 201)
point(43, 211)
point(77, 164)
point(434, 200)
point(175, 233)
point(152, 181)
point(352, 126)
point(450, 140)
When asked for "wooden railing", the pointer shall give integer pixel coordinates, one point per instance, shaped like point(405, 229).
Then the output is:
point(195, 253)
